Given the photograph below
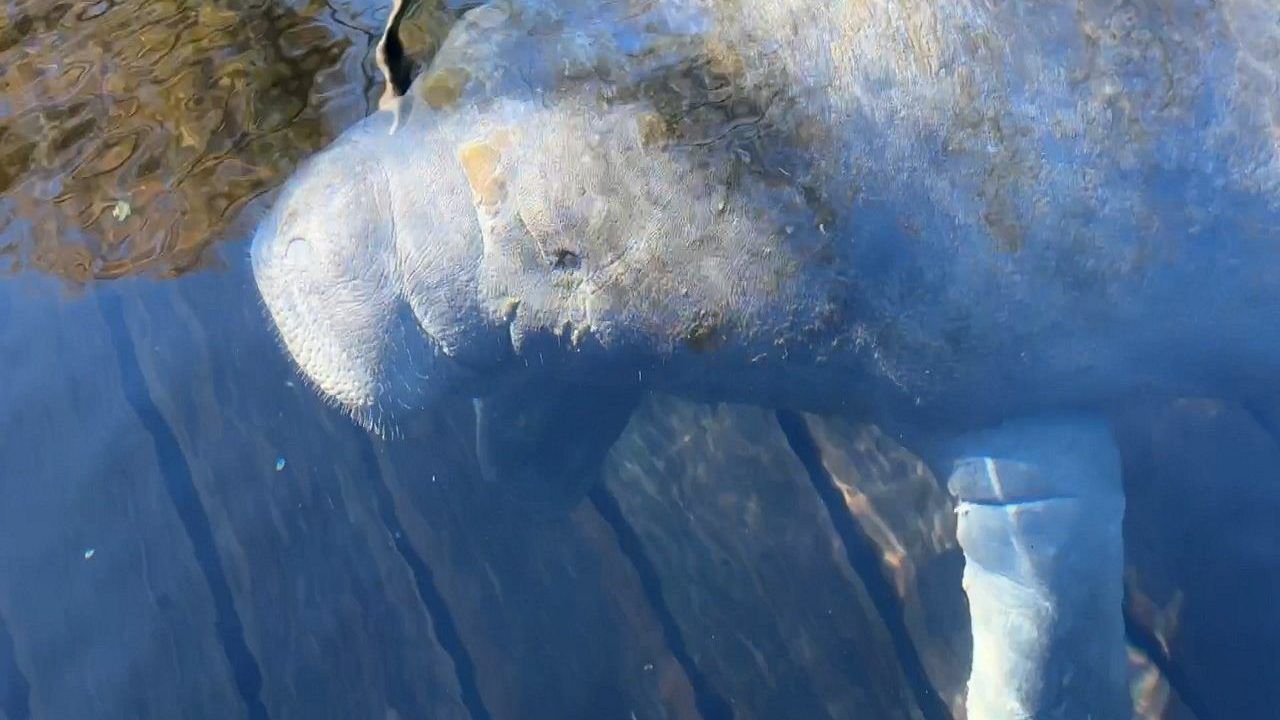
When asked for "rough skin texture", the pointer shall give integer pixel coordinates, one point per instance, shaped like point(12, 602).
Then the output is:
point(942, 212)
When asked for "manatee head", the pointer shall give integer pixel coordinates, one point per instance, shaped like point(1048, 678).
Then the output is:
point(548, 262)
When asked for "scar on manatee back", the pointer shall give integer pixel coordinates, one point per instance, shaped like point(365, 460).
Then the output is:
point(653, 129)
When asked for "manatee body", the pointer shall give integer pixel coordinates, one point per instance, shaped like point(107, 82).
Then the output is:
point(956, 212)
point(993, 221)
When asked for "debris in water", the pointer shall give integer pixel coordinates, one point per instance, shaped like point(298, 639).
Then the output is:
point(121, 211)
point(89, 553)
point(280, 464)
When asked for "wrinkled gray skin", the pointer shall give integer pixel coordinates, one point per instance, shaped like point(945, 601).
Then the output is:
point(940, 216)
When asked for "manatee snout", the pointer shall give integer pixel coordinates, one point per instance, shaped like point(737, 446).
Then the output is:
point(330, 273)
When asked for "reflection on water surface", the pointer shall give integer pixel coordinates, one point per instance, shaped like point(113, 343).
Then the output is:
point(134, 132)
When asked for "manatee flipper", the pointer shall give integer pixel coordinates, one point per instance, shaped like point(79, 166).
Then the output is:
point(396, 67)
point(542, 444)
point(1040, 504)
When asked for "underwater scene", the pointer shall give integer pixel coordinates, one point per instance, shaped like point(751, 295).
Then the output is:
point(688, 359)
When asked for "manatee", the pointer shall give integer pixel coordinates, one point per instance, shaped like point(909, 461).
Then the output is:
point(984, 226)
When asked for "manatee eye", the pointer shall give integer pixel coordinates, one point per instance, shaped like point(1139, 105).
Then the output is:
point(565, 260)
point(298, 251)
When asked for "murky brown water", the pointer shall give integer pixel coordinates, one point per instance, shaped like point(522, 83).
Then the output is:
point(134, 134)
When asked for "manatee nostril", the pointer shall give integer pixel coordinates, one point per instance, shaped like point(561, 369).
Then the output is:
point(297, 251)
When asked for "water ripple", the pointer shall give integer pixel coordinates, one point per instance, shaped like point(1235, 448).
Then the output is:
point(134, 134)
